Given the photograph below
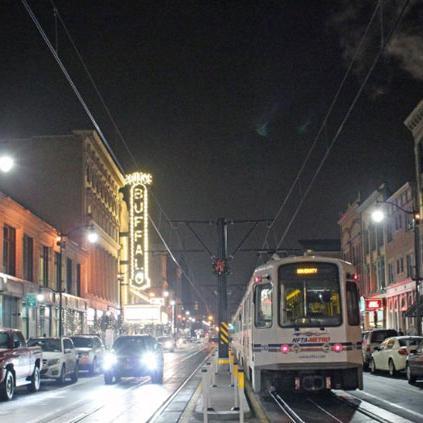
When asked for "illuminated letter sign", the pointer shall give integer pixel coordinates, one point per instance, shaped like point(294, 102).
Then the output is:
point(373, 304)
point(138, 220)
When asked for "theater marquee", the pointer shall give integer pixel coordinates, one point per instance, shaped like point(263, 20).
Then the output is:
point(138, 229)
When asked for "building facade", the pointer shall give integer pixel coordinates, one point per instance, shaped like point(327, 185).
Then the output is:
point(30, 272)
point(73, 181)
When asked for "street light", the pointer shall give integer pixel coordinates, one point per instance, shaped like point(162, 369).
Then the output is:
point(378, 216)
point(6, 163)
point(187, 313)
point(92, 238)
point(165, 294)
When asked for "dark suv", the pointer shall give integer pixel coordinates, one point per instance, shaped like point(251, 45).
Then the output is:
point(372, 339)
point(134, 356)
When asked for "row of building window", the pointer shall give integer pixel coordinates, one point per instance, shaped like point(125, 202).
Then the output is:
point(9, 262)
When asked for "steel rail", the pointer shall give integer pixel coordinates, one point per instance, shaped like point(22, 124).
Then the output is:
point(286, 409)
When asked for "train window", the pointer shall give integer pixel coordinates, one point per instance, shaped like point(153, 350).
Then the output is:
point(309, 295)
point(263, 306)
point(352, 304)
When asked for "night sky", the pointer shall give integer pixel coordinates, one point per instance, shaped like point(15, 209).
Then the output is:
point(220, 101)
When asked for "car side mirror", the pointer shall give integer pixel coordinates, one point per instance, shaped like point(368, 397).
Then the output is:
point(16, 344)
point(377, 348)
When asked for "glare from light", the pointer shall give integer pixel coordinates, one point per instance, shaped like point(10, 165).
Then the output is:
point(40, 297)
point(378, 215)
point(165, 294)
point(92, 236)
point(210, 317)
point(149, 360)
point(6, 163)
point(187, 313)
point(168, 344)
point(109, 361)
point(172, 302)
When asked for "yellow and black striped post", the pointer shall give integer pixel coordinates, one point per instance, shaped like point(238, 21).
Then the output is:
point(224, 333)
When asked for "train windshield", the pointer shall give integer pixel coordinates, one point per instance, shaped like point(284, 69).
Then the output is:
point(310, 295)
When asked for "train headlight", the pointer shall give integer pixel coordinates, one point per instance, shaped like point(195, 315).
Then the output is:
point(285, 348)
point(337, 348)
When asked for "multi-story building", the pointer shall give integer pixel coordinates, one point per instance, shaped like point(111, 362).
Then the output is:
point(399, 249)
point(73, 181)
point(30, 272)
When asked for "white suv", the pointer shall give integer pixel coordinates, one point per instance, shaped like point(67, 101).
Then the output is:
point(90, 351)
point(60, 359)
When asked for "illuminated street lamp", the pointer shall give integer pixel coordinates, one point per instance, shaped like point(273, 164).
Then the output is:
point(378, 216)
point(165, 294)
point(187, 313)
point(92, 236)
point(6, 163)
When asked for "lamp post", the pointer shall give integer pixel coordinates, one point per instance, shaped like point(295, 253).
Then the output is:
point(173, 304)
point(378, 216)
point(6, 163)
point(92, 238)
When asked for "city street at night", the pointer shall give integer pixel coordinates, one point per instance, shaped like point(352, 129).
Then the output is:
point(90, 400)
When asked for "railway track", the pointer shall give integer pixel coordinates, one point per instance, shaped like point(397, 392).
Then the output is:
point(325, 408)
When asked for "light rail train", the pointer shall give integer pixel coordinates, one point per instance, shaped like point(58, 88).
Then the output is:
point(298, 326)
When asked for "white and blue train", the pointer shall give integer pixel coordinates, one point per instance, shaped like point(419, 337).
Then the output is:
point(298, 326)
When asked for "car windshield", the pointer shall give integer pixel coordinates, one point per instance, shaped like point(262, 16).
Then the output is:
point(4, 340)
point(309, 295)
point(408, 342)
point(81, 342)
point(46, 344)
point(132, 344)
point(380, 335)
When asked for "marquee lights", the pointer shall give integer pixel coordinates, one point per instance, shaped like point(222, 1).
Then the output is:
point(138, 221)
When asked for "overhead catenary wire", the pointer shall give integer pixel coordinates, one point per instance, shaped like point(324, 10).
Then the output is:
point(344, 120)
point(322, 126)
point(88, 111)
point(70, 81)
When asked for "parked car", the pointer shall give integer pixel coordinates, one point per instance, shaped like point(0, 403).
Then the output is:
point(134, 356)
point(90, 350)
point(391, 355)
point(167, 343)
point(414, 366)
point(60, 359)
point(20, 364)
point(372, 339)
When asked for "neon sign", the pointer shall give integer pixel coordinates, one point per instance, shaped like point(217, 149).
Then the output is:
point(138, 221)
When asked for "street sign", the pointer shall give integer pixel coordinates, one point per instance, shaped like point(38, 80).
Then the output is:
point(31, 300)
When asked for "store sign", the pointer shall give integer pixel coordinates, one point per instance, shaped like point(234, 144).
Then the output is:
point(373, 304)
point(138, 215)
point(31, 300)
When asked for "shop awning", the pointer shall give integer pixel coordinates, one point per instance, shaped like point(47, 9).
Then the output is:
point(412, 310)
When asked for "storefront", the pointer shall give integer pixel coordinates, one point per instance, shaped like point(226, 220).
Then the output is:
point(374, 313)
point(399, 297)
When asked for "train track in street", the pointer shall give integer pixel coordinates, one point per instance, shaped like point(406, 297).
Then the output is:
point(328, 407)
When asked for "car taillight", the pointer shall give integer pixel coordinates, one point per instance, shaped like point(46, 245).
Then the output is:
point(403, 351)
point(337, 348)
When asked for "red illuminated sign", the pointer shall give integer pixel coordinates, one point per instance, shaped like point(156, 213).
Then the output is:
point(373, 304)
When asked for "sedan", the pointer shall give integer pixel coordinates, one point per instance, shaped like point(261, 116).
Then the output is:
point(391, 355)
point(414, 367)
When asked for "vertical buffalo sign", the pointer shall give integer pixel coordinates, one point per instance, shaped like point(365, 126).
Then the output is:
point(138, 215)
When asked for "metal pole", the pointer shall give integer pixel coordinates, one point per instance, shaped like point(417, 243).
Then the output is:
point(205, 394)
point(222, 234)
point(417, 276)
point(59, 287)
point(173, 319)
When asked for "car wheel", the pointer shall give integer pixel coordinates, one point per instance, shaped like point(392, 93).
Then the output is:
point(74, 375)
point(392, 370)
point(7, 387)
point(108, 378)
point(62, 377)
point(93, 367)
point(372, 366)
point(410, 377)
point(34, 386)
point(157, 377)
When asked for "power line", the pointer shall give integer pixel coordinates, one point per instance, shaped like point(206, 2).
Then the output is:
point(70, 81)
point(322, 126)
point(346, 117)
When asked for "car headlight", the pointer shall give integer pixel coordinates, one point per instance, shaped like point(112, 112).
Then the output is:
point(109, 361)
point(168, 344)
point(53, 362)
point(150, 360)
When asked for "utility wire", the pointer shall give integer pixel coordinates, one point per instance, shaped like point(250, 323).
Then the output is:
point(70, 81)
point(88, 112)
point(322, 126)
point(93, 83)
point(346, 117)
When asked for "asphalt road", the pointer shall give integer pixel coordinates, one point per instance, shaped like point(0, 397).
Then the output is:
point(90, 400)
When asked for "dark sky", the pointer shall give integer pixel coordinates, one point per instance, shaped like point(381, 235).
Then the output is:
point(220, 101)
